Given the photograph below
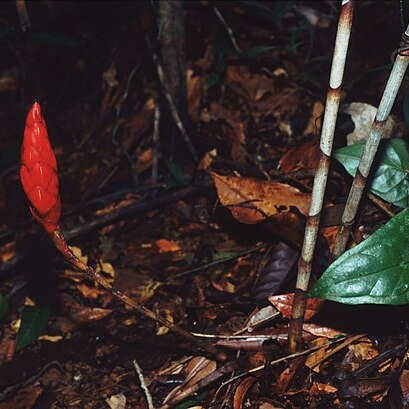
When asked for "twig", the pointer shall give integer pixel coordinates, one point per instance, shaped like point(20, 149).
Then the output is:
point(381, 205)
point(118, 111)
point(228, 29)
point(371, 145)
point(217, 262)
point(155, 150)
point(69, 256)
point(145, 389)
point(173, 109)
point(321, 176)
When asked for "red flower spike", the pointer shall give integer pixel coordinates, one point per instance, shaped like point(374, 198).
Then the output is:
point(38, 171)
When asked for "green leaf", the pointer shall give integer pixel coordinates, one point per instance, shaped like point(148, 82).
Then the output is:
point(180, 178)
point(390, 180)
point(33, 322)
point(4, 306)
point(374, 272)
point(213, 79)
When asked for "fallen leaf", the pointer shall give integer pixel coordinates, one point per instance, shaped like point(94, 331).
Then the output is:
point(252, 86)
point(241, 391)
point(252, 201)
point(284, 303)
point(86, 315)
point(50, 338)
point(359, 352)
point(260, 317)
point(167, 313)
point(314, 123)
point(404, 385)
point(196, 369)
point(287, 375)
point(144, 160)
point(7, 251)
point(318, 356)
point(275, 270)
point(139, 122)
point(318, 388)
point(363, 115)
point(167, 246)
point(320, 331)
point(24, 398)
point(304, 156)
point(196, 86)
point(90, 292)
point(116, 401)
point(360, 388)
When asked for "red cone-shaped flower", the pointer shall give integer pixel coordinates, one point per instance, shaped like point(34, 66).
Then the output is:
point(38, 171)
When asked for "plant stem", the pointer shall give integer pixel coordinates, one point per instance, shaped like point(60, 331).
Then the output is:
point(321, 175)
point(69, 256)
point(358, 185)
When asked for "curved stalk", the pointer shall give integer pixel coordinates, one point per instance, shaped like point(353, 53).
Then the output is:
point(358, 185)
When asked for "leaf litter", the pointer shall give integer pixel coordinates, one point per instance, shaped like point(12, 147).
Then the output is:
point(220, 260)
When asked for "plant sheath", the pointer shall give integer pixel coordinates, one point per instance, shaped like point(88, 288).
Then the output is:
point(358, 185)
point(321, 175)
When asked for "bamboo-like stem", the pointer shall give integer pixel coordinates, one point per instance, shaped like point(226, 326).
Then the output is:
point(321, 175)
point(358, 185)
point(69, 256)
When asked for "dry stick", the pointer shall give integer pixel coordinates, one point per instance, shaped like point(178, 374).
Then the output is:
point(62, 247)
point(228, 29)
point(371, 146)
point(321, 175)
point(145, 389)
point(172, 107)
point(155, 153)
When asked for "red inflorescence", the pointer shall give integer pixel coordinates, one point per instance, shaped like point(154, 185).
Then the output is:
point(38, 171)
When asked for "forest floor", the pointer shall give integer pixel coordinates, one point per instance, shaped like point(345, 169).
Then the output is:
point(212, 247)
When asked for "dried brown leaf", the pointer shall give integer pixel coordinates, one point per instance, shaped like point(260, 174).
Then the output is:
point(252, 201)
point(196, 369)
point(322, 389)
point(242, 390)
point(284, 303)
point(167, 246)
point(304, 156)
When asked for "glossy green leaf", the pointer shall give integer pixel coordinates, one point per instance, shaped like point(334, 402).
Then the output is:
point(4, 306)
point(33, 322)
point(390, 180)
point(374, 272)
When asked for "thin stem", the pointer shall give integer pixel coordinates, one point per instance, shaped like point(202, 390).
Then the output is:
point(371, 146)
point(69, 256)
point(145, 389)
point(321, 175)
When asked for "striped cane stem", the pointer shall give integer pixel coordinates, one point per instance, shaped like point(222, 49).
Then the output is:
point(358, 185)
point(321, 175)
